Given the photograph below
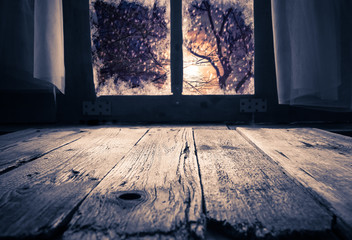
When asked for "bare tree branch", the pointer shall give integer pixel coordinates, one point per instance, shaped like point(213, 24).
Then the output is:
point(206, 58)
point(245, 78)
point(193, 87)
point(228, 38)
point(224, 20)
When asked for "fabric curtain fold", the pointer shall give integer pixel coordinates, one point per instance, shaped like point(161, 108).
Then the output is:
point(312, 52)
point(49, 42)
point(32, 46)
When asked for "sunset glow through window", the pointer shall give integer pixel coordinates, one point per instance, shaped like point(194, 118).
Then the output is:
point(131, 47)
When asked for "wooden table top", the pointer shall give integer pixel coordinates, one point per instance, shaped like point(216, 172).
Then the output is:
point(175, 182)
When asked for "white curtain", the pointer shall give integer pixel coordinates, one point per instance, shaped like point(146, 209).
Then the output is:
point(31, 45)
point(312, 43)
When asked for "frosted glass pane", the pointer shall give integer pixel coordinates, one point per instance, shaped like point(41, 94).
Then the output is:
point(130, 47)
point(218, 47)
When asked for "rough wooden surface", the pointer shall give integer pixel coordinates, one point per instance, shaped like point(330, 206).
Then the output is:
point(24, 146)
point(248, 195)
point(39, 198)
point(175, 183)
point(162, 169)
point(320, 160)
point(13, 137)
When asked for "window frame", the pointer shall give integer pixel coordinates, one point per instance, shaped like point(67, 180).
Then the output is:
point(175, 108)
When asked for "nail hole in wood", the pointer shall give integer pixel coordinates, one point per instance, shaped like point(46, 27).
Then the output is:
point(130, 196)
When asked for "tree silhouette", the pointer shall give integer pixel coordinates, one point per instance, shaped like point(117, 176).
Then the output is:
point(129, 42)
point(220, 36)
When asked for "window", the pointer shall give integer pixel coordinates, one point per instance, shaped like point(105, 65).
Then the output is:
point(131, 45)
point(218, 47)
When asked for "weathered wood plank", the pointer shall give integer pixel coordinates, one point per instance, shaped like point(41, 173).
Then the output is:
point(13, 137)
point(168, 126)
point(320, 160)
point(248, 195)
point(162, 200)
point(211, 126)
point(28, 145)
point(38, 199)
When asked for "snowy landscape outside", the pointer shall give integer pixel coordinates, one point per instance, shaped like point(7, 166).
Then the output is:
point(131, 47)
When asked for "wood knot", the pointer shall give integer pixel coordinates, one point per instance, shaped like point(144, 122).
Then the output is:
point(130, 199)
point(130, 196)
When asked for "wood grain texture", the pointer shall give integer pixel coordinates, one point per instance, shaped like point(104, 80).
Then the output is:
point(248, 195)
point(19, 148)
point(163, 170)
point(320, 160)
point(38, 199)
point(13, 137)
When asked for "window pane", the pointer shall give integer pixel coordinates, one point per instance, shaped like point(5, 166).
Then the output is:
point(218, 47)
point(130, 47)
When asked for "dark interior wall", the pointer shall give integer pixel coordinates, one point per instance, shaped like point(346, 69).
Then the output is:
point(346, 42)
point(27, 106)
point(20, 100)
point(79, 86)
point(30, 104)
point(78, 65)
